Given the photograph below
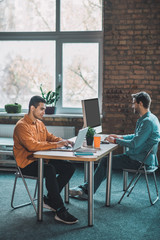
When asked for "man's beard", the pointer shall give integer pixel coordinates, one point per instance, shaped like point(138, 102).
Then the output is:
point(35, 116)
point(135, 111)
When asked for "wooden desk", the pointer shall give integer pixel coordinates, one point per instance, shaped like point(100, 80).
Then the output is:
point(105, 150)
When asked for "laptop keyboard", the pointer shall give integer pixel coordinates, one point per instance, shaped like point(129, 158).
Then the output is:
point(102, 138)
point(67, 147)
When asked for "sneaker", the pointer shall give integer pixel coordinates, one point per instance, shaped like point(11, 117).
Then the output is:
point(64, 216)
point(47, 204)
point(84, 196)
point(78, 191)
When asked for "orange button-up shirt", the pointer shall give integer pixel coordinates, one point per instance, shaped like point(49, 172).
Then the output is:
point(30, 137)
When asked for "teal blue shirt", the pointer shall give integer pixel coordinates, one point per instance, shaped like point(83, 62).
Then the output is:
point(147, 133)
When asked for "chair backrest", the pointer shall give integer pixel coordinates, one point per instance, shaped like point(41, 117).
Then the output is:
point(153, 150)
point(20, 174)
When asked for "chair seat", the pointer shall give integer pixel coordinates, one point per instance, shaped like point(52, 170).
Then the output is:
point(148, 170)
point(26, 176)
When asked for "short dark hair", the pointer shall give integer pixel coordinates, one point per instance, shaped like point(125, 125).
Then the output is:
point(35, 100)
point(142, 97)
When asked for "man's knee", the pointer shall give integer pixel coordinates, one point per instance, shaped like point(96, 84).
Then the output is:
point(70, 167)
point(49, 170)
point(103, 162)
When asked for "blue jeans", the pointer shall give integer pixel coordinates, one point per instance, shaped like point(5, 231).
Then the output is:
point(119, 162)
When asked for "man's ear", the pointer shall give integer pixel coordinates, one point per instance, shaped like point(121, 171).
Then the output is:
point(141, 104)
point(32, 108)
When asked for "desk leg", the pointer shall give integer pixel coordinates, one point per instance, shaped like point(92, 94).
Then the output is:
point(108, 184)
point(66, 193)
point(85, 172)
point(40, 190)
point(125, 175)
point(90, 194)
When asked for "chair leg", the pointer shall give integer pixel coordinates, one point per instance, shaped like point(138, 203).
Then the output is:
point(146, 178)
point(127, 188)
point(155, 181)
point(25, 204)
point(138, 177)
point(32, 201)
point(35, 191)
point(13, 192)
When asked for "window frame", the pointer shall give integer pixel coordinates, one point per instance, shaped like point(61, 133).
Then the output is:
point(61, 37)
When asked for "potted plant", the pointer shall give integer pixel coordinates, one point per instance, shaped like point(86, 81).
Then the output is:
point(51, 99)
point(90, 135)
point(13, 108)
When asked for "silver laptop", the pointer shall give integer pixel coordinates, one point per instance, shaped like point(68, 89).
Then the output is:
point(78, 143)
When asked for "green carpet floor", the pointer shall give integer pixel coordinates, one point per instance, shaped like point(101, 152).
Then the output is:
point(133, 219)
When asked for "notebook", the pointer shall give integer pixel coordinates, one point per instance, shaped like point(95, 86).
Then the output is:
point(78, 143)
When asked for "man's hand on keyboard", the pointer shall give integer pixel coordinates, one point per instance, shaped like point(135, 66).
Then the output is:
point(112, 138)
point(66, 143)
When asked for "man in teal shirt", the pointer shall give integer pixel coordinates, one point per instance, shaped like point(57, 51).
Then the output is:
point(147, 133)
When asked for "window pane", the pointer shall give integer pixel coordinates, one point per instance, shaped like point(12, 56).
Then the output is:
point(81, 15)
point(27, 15)
point(23, 67)
point(80, 73)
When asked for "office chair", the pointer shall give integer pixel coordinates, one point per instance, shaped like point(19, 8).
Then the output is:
point(137, 174)
point(19, 174)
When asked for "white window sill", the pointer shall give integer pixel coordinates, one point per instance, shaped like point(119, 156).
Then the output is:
point(4, 114)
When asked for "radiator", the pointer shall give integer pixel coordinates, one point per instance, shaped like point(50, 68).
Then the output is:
point(6, 130)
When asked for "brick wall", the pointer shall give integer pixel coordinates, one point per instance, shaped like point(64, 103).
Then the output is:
point(131, 60)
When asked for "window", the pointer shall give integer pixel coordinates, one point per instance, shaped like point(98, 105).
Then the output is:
point(52, 42)
point(24, 64)
point(27, 15)
point(80, 73)
point(85, 14)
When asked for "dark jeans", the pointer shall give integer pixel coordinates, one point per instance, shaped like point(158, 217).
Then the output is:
point(57, 174)
point(119, 162)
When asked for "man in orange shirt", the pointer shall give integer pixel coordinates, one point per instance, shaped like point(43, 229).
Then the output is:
point(30, 135)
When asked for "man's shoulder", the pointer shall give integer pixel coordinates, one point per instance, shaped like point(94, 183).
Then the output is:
point(20, 124)
point(25, 121)
point(151, 120)
point(20, 121)
point(25, 124)
point(152, 117)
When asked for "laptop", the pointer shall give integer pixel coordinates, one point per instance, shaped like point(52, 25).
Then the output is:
point(78, 143)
